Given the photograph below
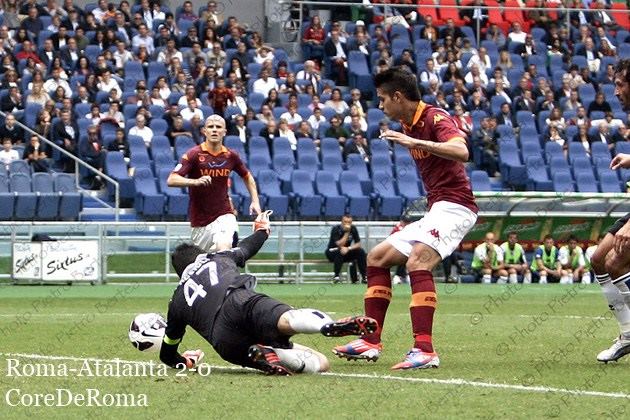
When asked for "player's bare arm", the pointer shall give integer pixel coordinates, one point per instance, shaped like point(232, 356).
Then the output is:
point(622, 160)
point(453, 149)
point(178, 181)
point(250, 183)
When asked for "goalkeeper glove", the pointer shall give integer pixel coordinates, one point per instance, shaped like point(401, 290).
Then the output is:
point(262, 221)
point(193, 357)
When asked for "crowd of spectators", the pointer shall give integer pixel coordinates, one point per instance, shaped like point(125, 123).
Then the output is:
point(72, 66)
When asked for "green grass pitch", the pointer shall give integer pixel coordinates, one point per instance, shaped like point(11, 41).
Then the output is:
point(506, 352)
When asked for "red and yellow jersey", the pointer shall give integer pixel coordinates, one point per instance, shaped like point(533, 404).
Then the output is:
point(208, 203)
point(444, 179)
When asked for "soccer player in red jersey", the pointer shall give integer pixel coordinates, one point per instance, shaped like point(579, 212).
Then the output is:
point(611, 260)
point(439, 150)
point(205, 171)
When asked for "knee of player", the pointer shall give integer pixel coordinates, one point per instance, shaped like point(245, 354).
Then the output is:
point(486, 271)
point(612, 267)
point(324, 364)
point(511, 271)
point(422, 258)
point(502, 272)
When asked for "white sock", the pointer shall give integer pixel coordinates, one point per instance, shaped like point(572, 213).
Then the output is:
point(564, 279)
point(502, 280)
point(307, 321)
point(527, 278)
point(586, 278)
point(513, 279)
point(616, 302)
point(543, 279)
point(570, 278)
point(487, 279)
point(298, 360)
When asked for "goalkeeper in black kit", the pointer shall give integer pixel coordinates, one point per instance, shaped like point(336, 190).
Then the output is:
point(244, 327)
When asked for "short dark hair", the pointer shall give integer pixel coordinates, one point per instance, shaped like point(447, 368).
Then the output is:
point(572, 238)
point(512, 233)
point(184, 255)
point(623, 68)
point(398, 79)
point(547, 237)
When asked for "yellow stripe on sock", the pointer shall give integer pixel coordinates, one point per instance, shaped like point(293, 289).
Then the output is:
point(423, 299)
point(382, 292)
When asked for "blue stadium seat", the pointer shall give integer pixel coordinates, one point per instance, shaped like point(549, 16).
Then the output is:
point(562, 182)
point(271, 194)
point(480, 181)
point(281, 146)
point(258, 146)
point(255, 125)
point(7, 199)
point(382, 163)
point(148, 202)
point(359, 203)
point(255, 100)
point(20, 166)
point(359, 73)
point(356, 164)
point(305, 147)
point(581, 164)
point(608, 181)
point(116, 168)
point(244, 200)
point(70, 203)
point(306, 202)
point(182, 145)
point(257, 163)
point(159, 126)
point(235, 143)
point(48, 199)
point(576, 150)
point(408, 186)
point(308, 163)
point(553, 149)
point(586, 182)
point(26, 199)
point(538, 178)
point(380, 147)
point(133, 70)
point(284, 165)
point(512, 170)
point(334, 204)
point(530, 149)
point(387, 202)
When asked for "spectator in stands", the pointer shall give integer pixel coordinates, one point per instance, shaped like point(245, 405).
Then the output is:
point(265, 114)
point(187, 12)
point(93, 153)
point(621, 135)
point(190, 94)
point(556, 119)
point(212, 15)
point(66, 134)
point(475, 14)
point(505, 61)
point(216, 56)
point(450, 29)
point(219, 96)
point(452, 73)
point(345, 246)
point(576, 77)
point(337, 130)
point(356, 122)
point(556, 136)
point(406, 59)
point(573, 103)
point(141, 130)
point(358, 102)
point(599, 104)
point(284, 130)
point(481, 60)
point(496, 35)
point(170, 51)
point(336, 102)
point(94, 115)
point(429, 31)
point(506, 117)
point(292, 117)
point(265, 84)
point(43, 125)
point(121, 57)
point(337, 53)
point(191, 110)
point(588, 77)
point(113, 115)
point(143, 38)
point(581, 118)
point(477, 102)
point(32, 23)
point(485, 138)
point(589, 50)
point(463, 119)
point(177, 129)
point(10, 130)
point(36, 154)
point(475, 71)
point(358, 145)
point(517, 34)
point(608, 78)
point(603, 135)
point(549, 102)
point(315, 120)
point(582, 137)
point(309, 73)
point(107, 83)
point(609, 119)
point(305, 131)
point(56, 81)
point(8, 154)
point(269, 133)
point(538, 16)
point(120, 144)
point(12, 103)
point(601, 17)
point(525, 102)
point(606, 49)
point(488, 261)
point(238, 128)
point(430, 73)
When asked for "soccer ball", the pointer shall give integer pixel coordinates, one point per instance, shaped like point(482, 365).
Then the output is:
point(147, 331)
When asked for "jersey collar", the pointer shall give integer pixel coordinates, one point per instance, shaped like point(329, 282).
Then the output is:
point(204, 147)
point(416, 117)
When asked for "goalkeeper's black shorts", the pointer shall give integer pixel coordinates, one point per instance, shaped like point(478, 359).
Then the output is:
point(247, 318)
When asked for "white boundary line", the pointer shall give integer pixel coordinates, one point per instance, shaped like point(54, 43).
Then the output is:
point(452, 381)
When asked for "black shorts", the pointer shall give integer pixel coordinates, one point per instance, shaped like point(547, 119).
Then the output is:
point(248, 318)
point(619, 224)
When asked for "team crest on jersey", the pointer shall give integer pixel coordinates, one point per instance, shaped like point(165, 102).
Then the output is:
point(202, 158)
point(217, 165)
point(437, 118)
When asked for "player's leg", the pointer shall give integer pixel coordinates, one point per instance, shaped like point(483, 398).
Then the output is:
point(298, 359)
point(223, 229)
point(512, 275)
point(376, 300)
point(337, 259)
point(203, 237)
point(527, 274)
point(542, 276)
point(486, 275)
point(313, 321)
point(503, 276)
point(442, 230)
point(563, 273)
point(612, 293)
